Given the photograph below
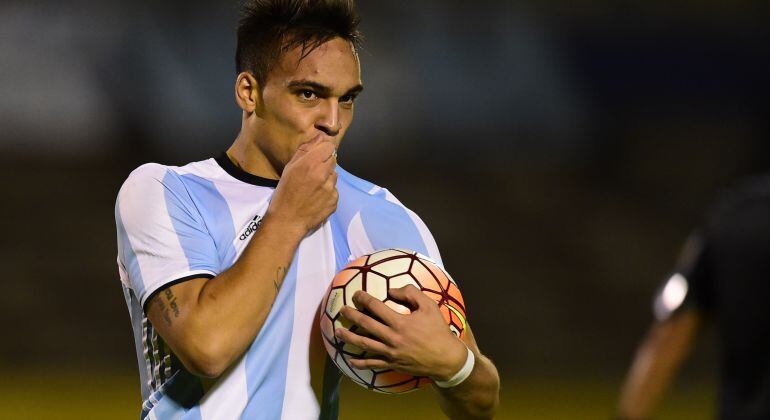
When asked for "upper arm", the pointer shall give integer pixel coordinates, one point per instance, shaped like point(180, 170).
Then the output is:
point(169, 309)
point(162, 239)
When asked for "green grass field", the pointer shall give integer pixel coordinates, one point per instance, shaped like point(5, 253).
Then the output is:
point(78, 395)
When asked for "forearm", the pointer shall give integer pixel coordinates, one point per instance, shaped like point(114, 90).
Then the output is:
point(477, 397)
point(231, 308)
point(657, 360)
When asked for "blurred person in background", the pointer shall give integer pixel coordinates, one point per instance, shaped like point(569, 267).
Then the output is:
point(721, 279)
point(224, 262)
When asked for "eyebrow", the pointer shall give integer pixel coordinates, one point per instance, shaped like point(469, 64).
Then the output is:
point(323, 89)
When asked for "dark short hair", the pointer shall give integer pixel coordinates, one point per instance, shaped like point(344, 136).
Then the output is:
point(268, 28)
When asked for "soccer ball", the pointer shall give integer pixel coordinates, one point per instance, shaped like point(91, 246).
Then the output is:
point(375, 274)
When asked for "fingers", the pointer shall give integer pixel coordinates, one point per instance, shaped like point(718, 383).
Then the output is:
point(364, 343)
point(410, 295)
point(311, 145)
point(368, 323)
point(364, 300)
point(331, 180)
point(332, 156)
point(370, 364)
point(306, 147)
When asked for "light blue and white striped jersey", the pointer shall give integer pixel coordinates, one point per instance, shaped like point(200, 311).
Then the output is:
point(177, 223)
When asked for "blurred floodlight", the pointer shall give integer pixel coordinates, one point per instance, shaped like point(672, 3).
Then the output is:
point(672, 297)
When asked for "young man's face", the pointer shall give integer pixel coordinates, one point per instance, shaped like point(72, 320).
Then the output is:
point(308, 99)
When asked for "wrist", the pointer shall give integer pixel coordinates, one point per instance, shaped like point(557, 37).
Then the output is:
point(461, 375)
point(456, 357)
point(288, 227)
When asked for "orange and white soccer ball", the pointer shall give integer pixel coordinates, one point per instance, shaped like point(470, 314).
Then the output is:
point(375, 274)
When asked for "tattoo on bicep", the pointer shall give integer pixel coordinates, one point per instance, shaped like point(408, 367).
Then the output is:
point(172, 301)
point(163, 309)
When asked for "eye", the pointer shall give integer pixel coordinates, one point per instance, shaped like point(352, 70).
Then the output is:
point(307, 95)
point(348, 99)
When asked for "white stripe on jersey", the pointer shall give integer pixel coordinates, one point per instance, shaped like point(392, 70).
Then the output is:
point(427, 238)
point(358, 240)
point(315, 266)
point(229, 396)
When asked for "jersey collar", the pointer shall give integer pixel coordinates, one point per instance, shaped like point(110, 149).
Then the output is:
point(242, 175)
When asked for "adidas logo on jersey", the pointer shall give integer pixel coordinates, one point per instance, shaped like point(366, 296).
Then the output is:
point(251, 227)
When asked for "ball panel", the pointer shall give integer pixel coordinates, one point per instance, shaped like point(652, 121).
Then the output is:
point(408, 385)
point(401, 281)
point(456, 297)
point(334, 302)
point(403, 310)
point(381, 255)
point(365, 375)
point(424, 277)
point(391, 378)
point(354, 285)
point(358, 262)
point(438, 297)
point(438, 274)
point(342, 322)
point(343, 277)
point(376, 286)
point(349, 371)
point(394, 267)
point(327, 328)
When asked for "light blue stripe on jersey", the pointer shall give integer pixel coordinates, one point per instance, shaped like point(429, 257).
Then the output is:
point(388, 225)
point(354, 193)
point(216, 212)
point(129, 256)
point(268, 357)
point(360, 184)
point(187, 217)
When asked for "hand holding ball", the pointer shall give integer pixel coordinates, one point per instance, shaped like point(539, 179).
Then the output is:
point(375, 274)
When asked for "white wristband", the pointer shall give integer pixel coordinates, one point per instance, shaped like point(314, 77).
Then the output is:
point(461, 375)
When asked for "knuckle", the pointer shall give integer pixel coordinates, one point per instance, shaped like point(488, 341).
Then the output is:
point(399, 323)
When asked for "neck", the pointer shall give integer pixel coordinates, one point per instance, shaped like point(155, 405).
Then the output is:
point(246, 155)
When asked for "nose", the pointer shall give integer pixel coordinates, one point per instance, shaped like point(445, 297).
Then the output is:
point(329, 119)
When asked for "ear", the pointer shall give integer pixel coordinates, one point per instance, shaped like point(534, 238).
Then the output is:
point(248, 93)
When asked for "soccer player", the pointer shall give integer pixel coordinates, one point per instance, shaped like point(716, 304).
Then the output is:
point(224, 262)
point(723, 278)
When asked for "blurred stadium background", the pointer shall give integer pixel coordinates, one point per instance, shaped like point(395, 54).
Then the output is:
point(559, 151)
